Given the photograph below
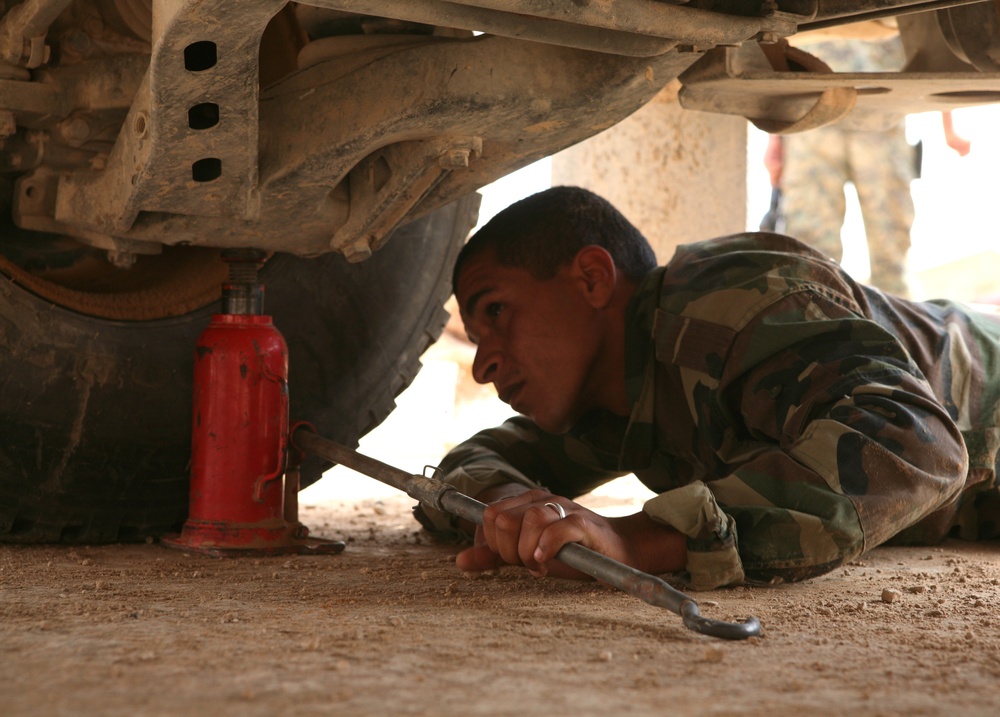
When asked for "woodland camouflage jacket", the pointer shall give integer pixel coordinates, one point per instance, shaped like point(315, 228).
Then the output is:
point(787, 417)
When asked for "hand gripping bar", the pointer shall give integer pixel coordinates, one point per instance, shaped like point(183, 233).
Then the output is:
point(442, 496)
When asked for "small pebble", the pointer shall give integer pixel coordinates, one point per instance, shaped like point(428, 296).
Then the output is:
point(714, 654)
point(889, 595)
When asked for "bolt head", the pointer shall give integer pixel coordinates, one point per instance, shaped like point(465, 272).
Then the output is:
point(455, 158)
point(75, 130)
point(357, 252)
point(8, 124)
point(122, 259)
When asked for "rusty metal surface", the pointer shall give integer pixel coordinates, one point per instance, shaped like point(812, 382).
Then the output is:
point(738, 81)
point(155, 163)
point(22, 31)
point(151, 130)
point(641, 28)
point(832, 13)
point(440, 93)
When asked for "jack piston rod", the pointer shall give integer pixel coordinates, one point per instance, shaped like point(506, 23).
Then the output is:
point(438, 494)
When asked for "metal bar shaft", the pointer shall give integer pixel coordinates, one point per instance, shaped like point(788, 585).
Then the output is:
point(834, 14)
point(434, 492)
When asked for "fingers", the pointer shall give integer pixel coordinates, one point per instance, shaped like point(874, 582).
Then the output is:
point(477, 559)
point(571, 529)
point(514, 531)
point(528, 530)
point(502, 524)
point(539, 520)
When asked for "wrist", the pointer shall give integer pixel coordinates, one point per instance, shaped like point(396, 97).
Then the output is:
point(656, 547)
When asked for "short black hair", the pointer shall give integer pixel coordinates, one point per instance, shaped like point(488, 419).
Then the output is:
point(543, 232)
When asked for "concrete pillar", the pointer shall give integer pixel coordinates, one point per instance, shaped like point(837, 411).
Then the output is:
point(678, 175)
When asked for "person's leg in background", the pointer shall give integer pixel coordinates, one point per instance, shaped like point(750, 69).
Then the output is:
point(882, 168)
point(812, 184)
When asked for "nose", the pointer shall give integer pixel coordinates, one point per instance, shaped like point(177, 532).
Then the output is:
point(486, 364)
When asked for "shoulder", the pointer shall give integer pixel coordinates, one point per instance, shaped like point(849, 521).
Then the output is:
point(742, 245)
point(730, 279)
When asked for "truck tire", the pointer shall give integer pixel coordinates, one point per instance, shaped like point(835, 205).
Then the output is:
point(95, 413)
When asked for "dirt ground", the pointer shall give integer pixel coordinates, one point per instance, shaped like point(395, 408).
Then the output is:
point(391, 627)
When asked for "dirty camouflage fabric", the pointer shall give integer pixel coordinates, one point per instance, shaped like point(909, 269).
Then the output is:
point(877, 160)
point(787, 417)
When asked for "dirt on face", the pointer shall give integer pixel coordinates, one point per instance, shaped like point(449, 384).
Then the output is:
point(391, 627)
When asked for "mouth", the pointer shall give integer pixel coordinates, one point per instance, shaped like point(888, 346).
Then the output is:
point(509, 393)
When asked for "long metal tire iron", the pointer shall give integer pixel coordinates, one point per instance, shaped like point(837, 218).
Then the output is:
point(442, 496)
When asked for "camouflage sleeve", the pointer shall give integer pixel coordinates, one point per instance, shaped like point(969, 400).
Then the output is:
point(713, 559)
point(516, 452)
point(841, 442)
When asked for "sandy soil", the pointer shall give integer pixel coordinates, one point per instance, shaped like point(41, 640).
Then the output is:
point(391, 627)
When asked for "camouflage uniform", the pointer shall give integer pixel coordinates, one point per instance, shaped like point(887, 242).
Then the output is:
point(876, 158)
point(787, 417)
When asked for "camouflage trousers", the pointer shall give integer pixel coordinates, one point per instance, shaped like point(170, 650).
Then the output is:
point(817, 165)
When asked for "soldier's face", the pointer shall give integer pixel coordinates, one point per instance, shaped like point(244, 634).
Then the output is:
point(536, 340)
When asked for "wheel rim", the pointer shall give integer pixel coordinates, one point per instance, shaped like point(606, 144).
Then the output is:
point(176, 282)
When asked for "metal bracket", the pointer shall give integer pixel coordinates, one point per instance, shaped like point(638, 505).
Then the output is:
point(387, 184)
point(23, 30)
point(189, 143)
point(740, 81)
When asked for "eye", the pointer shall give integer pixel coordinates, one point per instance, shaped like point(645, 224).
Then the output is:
point(493, 309)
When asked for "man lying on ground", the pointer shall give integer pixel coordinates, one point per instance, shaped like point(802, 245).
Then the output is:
point(787, 417)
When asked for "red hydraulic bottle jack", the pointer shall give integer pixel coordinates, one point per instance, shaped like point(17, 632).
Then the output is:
point(244, 488)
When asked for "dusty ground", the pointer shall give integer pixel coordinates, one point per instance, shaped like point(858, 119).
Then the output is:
point(390, 627)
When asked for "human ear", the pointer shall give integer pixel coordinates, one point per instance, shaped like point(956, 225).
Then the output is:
point(595, 274)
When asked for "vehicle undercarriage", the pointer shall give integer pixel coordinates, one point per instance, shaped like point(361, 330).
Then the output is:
point(347, 139)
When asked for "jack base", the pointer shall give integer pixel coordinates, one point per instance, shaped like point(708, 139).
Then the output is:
point(226, 540)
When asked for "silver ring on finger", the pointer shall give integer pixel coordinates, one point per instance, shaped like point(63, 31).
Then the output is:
point(558, 508)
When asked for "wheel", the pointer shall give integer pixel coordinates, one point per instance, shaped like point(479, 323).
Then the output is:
point(95, 408)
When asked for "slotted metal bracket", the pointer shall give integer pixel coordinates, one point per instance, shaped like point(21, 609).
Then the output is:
point(739, 80)
point(190, 142)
